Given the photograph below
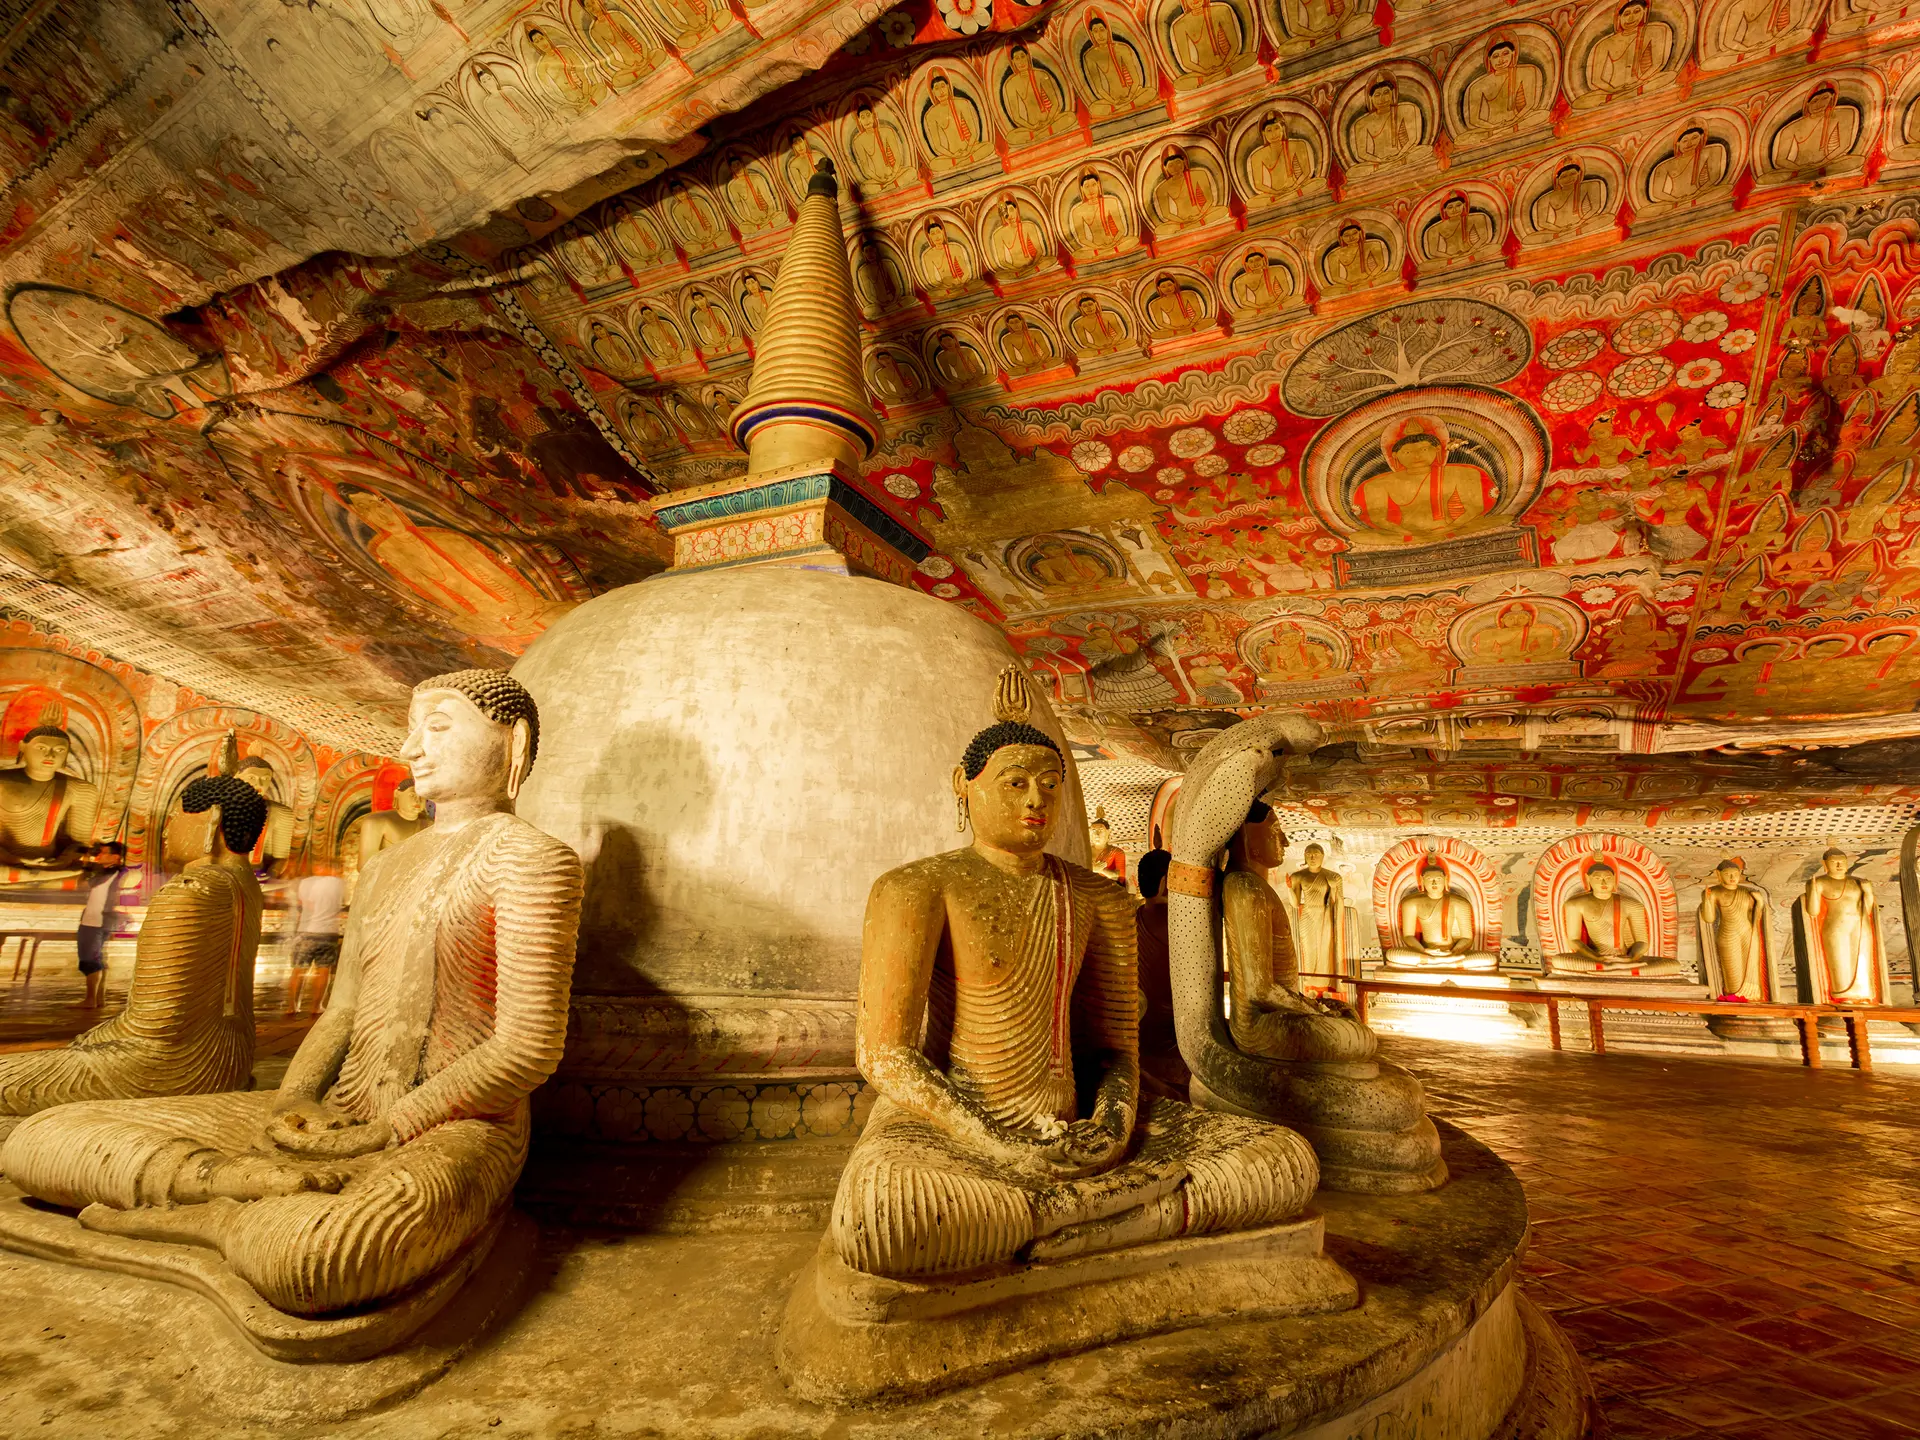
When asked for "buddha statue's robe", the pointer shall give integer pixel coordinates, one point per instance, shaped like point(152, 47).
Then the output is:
point(188, 1025)
point(1269, 1015)
point(916, 1199)
point(449, 1010)
point(1844, 927)
point(1318, 921)
point(1437, 933)
point(1606, 939)
point(1733, 920)
point(45, 825)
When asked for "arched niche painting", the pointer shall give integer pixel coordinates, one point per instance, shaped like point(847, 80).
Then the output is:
point(1175, 300)
point(1362, 250)
point(659, 335)
point(1094, 210)
point(1023, 342)
point(1574, 194)
point(796, 152)
point(1202, 42)
point(746, 187)
point(1183, 186)
point(1068, 565)
point(879, 275)
point(1518, 637)
point(495, 92)
point(1623, 49)
point(1733, 32)
point(895, 377)
point(874, 139)
point(1693, 164)
point(112, 353)
point(1459, 227)
point(944, 263)
point(1903, 132)
point(1096, 323)
point(1502, 84)
point(1030, 89)
point(635, 234)
point(1386, 120)
point(1302, 26)
point(950, 121)
point(643, 425)
point(1280, 153)
point(1436, 469)
point(1013, 235)
point(606, 347)
point(1111, 62)
point(715, 330)
point(1295, 650)
point(752, 292)
point(1260, 281)
point(955, 356)
point(1822, 129)
point(693, 217)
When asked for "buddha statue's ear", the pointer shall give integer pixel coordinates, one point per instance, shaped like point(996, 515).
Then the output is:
point(215, 835)
point(519, 757)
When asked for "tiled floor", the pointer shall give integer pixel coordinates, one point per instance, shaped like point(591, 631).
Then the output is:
point(1733, 1247)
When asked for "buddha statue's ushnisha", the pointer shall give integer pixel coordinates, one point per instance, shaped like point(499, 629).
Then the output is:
point(1436, 926)
point(992, 1139)
point(46, 815)
point(1605, 934)
point(384, 829)
point(396, 1137)
point(188, 1025)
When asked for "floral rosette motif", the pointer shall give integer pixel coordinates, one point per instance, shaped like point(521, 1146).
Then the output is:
point(947, 590)
point(903, 486)
point(1092, 456)
point(1705, 326)
point(1573, 391)
point(1711, 655)
point(966, 17)
point(1743, 287)
point(1266, 454)
point(1170, 475)
point(1726, 396)
point(1248, 427)
point(1737, 342)
point(1646, 332)
point(1639, 377)
point(1697, 374)
point(1209, 466)
point(937, 566)
point(1576, 347)
point(1136, 458)
point(1193, 440)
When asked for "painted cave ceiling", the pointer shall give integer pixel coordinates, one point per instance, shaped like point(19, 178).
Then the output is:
point(1486, 381)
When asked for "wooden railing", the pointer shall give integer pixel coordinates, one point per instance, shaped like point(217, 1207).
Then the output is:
point(1806, 1018)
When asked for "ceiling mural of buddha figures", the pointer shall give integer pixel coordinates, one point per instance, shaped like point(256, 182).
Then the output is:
point(1112, 66)
point(1624, 49)
point(1692, 166)
point(951, 123)
point(1525, 637)
point(1387, 121)
point(1503, 83)
point(1819, 131)
point(1030, 88)
point(873, 137)
point(1096, 215)
point(1204, 42)
point(1280, 155)
point(1013, 236)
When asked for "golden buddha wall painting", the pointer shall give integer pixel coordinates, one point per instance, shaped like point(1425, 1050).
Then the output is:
point(874, 138)
point(1024, 343)
point(1574, 195)
point(1820, 130)
point(1691, 166)
point(1096, 216)
point(1280, 154)
point(1029, 88)
point(1312, 34)
point(1013, 236)
point(1386, 120)
point(1260, 283)
point(1624, 49)
point(1357, 251)
point(1111, 64)
point(1736, 32)
point(1428, 482)
point(952, 124)
point(1096, 325)
point(1501, 86)
point(1459, 229)
point(1204, 42)
point(1519, 638)
point(1297, 656)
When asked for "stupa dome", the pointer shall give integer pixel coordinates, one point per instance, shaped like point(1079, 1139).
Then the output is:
point(739, 753)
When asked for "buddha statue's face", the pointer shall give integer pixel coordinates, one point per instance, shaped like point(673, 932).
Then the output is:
point(1262, 842)
point(1729, 877)
point(1015, 798)
point(43, 755)
point(1835, 865)
point(1100, 833)
point(1433, 883)
point(1602, 883)
point(454, 751)
point(1315, 858)
point(408, 805)
point(259, 779)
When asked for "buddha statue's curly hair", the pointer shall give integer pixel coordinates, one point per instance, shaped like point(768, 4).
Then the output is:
point(243, 813)
point(1011, 703)
point(496, 695)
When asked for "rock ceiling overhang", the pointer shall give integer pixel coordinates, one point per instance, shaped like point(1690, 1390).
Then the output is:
point(1530, 379)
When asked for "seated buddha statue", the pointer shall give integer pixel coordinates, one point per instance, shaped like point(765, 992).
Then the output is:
point(188, 1025)
point(997, 1022)
point(46, 815)
point(1605, 934)
point(1436, 929)
point(386, 828)
point(275, 844)
point(396, 1137)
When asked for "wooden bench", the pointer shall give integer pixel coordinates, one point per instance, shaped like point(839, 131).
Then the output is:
point(1806, 1017)
point(31, 939)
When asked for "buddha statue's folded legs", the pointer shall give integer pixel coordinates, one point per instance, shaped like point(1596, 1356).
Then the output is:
point(1617, 967)
point(912, 1202)
point(338, 1235)
point(1406, 957)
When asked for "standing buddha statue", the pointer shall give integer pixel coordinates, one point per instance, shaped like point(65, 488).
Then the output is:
point(188, 1025)
point(46, 815)
point(1319, 914)
point(1843, 932)
point(449, 1010)
point(386, 828)
point(1733, 918)
point(980, 969)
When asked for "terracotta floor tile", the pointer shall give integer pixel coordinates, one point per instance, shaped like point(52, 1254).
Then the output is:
point(1899, 1406)
point(1684, 1361)
point(1874, 1363)
point(1711, 1408)
point(1707, 1305)
point(1629, 1420)
point(1790, 1335)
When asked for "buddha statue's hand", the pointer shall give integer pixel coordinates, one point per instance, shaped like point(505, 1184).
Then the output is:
point(1098, 1141)
point(328, 1140)
point(1046, 1157)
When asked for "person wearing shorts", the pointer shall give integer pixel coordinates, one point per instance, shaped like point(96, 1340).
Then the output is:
point(316, 938)
point(104, 869)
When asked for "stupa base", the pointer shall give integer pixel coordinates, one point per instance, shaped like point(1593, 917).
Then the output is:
point(853, 1338)
point(259, 1364)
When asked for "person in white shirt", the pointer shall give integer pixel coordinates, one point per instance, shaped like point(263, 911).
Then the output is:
point(322, 895)
point(104, 869)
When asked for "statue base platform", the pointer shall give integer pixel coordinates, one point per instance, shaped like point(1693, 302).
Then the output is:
point(1744, 1027)
point(262, 1364)
point(1488, 1021)
point(852, 1338)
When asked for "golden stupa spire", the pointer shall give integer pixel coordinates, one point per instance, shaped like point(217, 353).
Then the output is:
point(807, 403)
